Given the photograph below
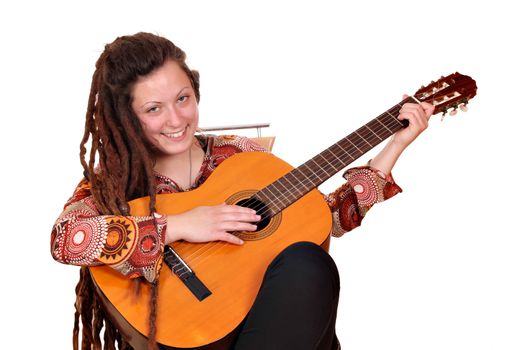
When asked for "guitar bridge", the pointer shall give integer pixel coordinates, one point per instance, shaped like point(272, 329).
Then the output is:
point(186, 275)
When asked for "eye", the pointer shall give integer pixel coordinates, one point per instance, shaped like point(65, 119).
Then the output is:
point(182, 98)
point(152, 109)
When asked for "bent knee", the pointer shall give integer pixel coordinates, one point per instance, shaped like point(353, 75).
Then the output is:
point(307, 264)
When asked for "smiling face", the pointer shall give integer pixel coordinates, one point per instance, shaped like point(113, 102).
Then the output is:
point(166, 105)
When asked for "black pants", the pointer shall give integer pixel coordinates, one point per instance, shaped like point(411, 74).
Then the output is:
point(296, 307)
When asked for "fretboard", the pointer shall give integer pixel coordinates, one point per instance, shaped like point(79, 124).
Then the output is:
point(298, 182)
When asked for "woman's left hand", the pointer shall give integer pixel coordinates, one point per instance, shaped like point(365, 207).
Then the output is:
point(417, 116)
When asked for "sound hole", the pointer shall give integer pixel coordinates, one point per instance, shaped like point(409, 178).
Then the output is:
point(260, 207)
point(269, 222)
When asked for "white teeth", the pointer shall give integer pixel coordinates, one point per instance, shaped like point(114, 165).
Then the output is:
point(175, 134)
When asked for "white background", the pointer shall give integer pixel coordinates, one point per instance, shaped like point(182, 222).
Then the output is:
point(440, 266)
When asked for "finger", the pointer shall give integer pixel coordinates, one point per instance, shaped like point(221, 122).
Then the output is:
point(236, 216)
point(408, 114)
point(228, 237)
point(411, 106)
point(428, 108)
point(414, 109)
point(236, 226)
point(237, 209)
point(416, 118)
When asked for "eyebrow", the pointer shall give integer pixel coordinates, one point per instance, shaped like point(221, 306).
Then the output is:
point(149, 102)
point(181, 90)
point(178, 94)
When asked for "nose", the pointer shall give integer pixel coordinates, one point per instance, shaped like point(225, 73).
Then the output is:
point(173, 116)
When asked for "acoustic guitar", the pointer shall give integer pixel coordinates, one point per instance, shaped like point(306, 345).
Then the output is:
point(207, 289)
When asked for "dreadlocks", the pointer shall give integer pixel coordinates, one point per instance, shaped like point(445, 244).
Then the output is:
point(120, 165)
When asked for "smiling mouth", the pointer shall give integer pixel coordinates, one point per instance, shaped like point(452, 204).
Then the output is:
point(175, 134)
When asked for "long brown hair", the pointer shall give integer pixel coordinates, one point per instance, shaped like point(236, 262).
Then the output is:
point(120, 163)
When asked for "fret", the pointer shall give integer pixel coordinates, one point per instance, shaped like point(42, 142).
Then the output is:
point(345, 152)
point(369, 144)
point(379, 129)
point(292, 173)
point(374, 133)
point(289, 198)
point(266, 198)
point(317, 165)
point(263, 197)
point(393, 117)
point(386, 127)
point(327, 162)
point(355, 146)
point(290, 182)
point(311, 172)
point(274, 194)
point(336, 156)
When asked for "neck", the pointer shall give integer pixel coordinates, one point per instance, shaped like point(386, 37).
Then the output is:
point(172, 163)
point(175, 161)
point(182, 167)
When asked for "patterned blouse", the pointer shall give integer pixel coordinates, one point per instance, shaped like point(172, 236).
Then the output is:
point(133, 245)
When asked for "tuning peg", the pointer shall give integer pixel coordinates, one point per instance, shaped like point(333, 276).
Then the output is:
point(463, 107)
point(453, 112)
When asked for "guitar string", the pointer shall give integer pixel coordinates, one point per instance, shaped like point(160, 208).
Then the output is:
point(391, 122)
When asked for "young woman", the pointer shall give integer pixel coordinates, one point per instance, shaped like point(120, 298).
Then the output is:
point(142, 118)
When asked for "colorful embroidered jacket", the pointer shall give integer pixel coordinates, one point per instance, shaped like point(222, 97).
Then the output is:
point(133, 245)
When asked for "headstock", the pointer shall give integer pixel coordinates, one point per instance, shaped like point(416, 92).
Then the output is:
point(448, 93)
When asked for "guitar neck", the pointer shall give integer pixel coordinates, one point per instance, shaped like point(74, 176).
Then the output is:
point(298, 182)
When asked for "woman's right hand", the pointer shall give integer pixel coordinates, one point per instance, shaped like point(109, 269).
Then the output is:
point(211, 223)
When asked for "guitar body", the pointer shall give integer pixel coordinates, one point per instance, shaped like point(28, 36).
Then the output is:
point(232, 273)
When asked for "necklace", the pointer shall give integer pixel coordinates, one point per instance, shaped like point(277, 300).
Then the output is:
point(189, 180)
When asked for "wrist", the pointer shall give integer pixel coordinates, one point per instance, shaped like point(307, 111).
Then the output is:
point(396, 144)
point(385, 160)
point(172, 234)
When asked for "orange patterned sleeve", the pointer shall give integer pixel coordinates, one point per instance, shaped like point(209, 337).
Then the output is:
point(364, 187)
point(131, 245)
